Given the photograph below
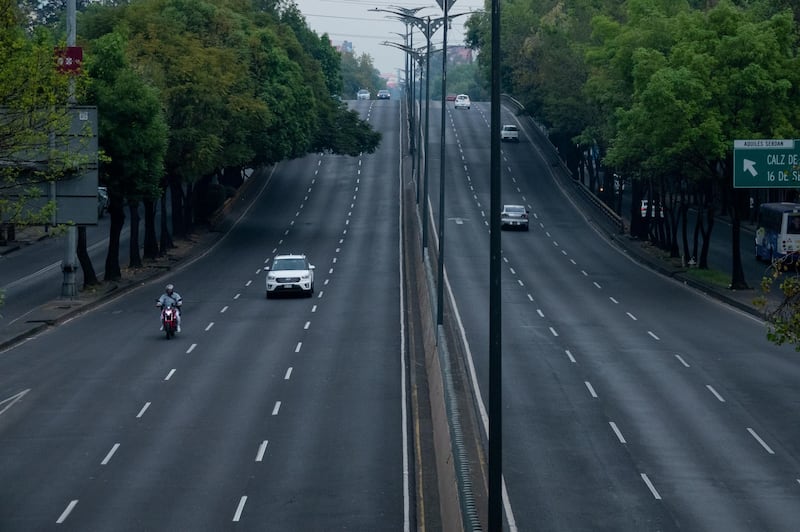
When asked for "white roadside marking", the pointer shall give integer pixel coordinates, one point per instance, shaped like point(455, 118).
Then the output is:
point(584, 273)
point(613, 300)
point(261, 450)
point(512, 271)
point(288, 374)
point(276, 408)
point(530, 298)
point(571, 358)
point(314, 308)
point(651, 487)
point(13, 399)
point(208, 327)
point(717, 395)
point(682, 361)
point(651, 333)
point(631, 316)
point(540, 313)
point(191, 348)
point(297, 348)
point(573, 262)
point(248, 283)
point(326, 282)
point(759, 440)
point(620, 437)
point(143, 410)
point(107, 459)
point(553, 331)
point(330, 271)
point(597, 284)
point(519, 281)
point(237, 296)
point(307, 325)
point(564, 252)
point(170, 374)
point(258, 271)
point(67, 511)
point(591, 389)
point(224, 309)
point(240, 508)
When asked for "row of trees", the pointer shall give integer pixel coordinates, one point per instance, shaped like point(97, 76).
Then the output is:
point(661, 88)
point(189, 94)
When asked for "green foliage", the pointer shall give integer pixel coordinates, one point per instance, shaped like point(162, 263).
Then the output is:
point(782, 312)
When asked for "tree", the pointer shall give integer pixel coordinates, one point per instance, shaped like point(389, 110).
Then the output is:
point(133, 135)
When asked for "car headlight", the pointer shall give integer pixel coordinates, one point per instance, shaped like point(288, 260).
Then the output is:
point(305, 275)
point(270, 276)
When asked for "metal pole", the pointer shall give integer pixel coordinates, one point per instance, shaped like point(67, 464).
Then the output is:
point(427, 137)
point(440, 285)
point(70, 264)
point(495, 513)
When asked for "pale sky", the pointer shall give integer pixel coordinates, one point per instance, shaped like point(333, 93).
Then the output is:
point(352, 20)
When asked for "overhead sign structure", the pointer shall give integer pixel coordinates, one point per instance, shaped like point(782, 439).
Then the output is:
point(766, 163)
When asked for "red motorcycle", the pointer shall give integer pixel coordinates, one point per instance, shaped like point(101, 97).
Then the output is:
point(169, 320)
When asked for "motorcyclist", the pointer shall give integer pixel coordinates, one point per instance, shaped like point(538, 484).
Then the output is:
point(170, 297)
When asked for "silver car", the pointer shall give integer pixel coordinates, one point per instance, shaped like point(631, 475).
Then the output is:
point(363, 94)
point(290, 273)
point(514, 216)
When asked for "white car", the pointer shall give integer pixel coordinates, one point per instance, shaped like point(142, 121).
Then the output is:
point(514, 216)
point(290, 273)
point(462, 101)
point(509, 133)
point(363, 94)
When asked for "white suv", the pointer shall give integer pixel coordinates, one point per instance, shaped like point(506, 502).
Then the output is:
point(290, 273)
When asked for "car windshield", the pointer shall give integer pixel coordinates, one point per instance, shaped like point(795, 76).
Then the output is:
point(509, 128)
point(289, 264)
point(515, 210)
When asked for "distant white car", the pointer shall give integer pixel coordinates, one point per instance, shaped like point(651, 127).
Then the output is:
point(290, 273)
point(514, 216)
point(462, 102)
point(509, 133)
point(363, 94)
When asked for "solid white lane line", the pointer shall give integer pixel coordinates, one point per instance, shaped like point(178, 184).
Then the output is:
point(298, 346)
point(209, 326)
point(631, 316)
point(143, 410)
point(224, 309)
point(261, 450)
point(759, 440)
point(67, 511)
point(191, 348)
point(651, 333)
point(288, 374)
point(651, 487)
point(682, 361)
point(9, 402)
point(571, 358)
point(620, 437)
point(591, 389)
point(170, 374)
point(107, 459)
point(276, 408)
point(307, 325)
point(718, 396)
point(240, 508)
point(553, 331)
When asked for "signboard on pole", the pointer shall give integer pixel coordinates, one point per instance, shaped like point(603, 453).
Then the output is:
point(766, 163)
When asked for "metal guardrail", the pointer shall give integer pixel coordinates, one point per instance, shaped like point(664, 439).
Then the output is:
point(540, 132)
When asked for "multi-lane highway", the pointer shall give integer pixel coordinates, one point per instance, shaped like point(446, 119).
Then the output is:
point(284, 414)
point(629, 401)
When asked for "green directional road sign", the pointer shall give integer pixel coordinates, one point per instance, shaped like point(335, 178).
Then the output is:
point(766, 163)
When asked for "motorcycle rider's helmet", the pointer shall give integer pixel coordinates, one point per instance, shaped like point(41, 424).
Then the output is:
point(169, 289)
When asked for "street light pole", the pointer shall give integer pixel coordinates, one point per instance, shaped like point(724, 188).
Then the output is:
point(440, 263)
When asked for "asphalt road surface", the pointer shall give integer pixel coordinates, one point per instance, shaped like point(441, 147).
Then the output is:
point(630, 402)
point(280, 414)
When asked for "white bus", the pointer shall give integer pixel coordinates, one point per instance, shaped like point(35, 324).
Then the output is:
point(778, 232)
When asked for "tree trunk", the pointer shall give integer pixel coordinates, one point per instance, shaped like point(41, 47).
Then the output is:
point(166, 239)
point(738, 282)
point(89, 275)
point(177, 202)
point(150, 237)
point(116, 211)
point(135, 260)
point(706, 238)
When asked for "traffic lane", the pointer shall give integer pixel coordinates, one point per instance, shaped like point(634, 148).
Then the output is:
point(674, 406)
point(99, 324)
